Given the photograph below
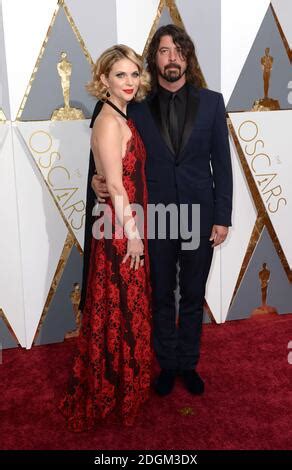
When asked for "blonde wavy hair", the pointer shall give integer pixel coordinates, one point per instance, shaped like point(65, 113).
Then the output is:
point(104, 65)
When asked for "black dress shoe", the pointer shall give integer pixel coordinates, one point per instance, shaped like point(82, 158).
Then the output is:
point(193, 382)
point(165, 382)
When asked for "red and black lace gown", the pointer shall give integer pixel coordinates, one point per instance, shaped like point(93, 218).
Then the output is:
point(112, 367)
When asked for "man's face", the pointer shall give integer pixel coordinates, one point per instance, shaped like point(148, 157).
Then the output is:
point(169, 60)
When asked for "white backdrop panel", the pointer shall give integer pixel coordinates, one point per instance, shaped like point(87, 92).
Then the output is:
point(213, 288)
point(11, 292)
point(243, 219)
point(42, 232)
point(266, 142)
point(60, 150)
point(25, 27)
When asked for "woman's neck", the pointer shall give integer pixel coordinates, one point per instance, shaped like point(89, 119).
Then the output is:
point(121, 104)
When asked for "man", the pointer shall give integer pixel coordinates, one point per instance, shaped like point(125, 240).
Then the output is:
point(184, 130)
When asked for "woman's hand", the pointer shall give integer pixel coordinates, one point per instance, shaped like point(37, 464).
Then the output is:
point(99, 186)
point(135, 250)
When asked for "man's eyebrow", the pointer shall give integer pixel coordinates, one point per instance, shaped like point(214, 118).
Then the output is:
point(167, 47)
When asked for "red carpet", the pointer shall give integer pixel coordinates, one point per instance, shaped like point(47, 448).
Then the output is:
point(247, 403)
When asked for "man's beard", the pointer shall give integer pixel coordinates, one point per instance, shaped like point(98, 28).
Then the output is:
point(171, 73)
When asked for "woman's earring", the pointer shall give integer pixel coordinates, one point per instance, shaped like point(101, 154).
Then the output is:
point(108, 94)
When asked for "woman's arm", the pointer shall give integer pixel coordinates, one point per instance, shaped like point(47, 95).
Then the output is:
point(106, 144)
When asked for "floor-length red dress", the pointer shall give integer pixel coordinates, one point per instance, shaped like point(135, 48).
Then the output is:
point(112, 366)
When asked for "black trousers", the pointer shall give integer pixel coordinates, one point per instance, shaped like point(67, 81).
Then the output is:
point(177, 346)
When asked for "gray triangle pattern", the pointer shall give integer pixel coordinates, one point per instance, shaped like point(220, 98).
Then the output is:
point(279, 292)
point(202, 20)
point(6, 338)
point(249, 86)
point(46, 93)
point(60, 317)
point(206, 318)
point(165, 18)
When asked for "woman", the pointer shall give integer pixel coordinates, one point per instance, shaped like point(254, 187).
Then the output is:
point(113, 364)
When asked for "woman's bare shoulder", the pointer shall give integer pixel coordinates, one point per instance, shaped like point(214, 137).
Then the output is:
point(106, 131)
point(106, 123)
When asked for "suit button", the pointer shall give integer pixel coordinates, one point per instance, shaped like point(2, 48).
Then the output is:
point(177, 164)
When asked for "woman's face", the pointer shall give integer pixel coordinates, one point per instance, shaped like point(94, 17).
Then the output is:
point(123, 80)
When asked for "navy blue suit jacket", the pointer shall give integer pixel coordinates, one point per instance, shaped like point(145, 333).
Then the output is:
point(201, 173)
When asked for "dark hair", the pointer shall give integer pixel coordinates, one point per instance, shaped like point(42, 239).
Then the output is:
point(182, 39)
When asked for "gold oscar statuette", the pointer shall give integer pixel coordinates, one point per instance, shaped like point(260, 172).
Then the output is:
point(66, 113)
point(266, 103)
point(75, 299)
point(264, 277)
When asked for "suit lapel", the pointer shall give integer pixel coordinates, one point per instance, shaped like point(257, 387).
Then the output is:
point(153, 104)
point(191, 112)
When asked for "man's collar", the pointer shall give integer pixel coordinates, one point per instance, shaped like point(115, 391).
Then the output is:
point(164, 92)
